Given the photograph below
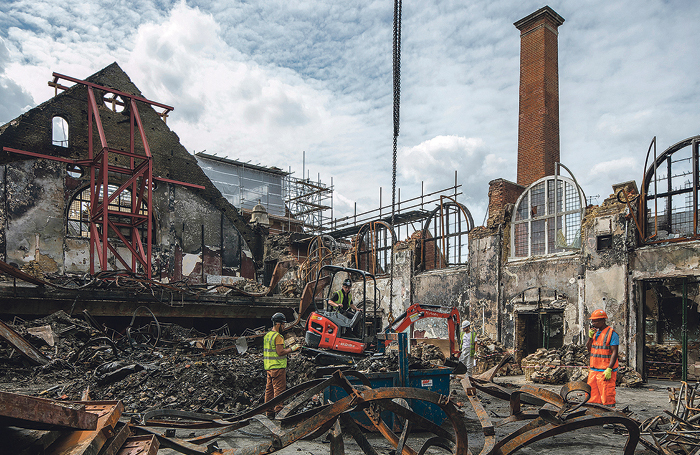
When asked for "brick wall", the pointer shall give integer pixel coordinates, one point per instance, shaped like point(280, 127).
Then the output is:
point(501, 193)
point(538, 124)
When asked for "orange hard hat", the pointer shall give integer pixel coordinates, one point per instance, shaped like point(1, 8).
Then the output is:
point(599, 314)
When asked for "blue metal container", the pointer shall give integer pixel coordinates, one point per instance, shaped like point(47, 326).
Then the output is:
point(436, 380)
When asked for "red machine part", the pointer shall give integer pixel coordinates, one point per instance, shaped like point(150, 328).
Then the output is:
point(417, 312)
point(328, 332)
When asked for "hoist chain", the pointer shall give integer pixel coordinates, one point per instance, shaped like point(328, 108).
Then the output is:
point(397, 102)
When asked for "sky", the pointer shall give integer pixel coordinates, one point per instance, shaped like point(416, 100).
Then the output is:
point(272, 81)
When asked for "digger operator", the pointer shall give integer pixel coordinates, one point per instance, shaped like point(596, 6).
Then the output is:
point(341, 300)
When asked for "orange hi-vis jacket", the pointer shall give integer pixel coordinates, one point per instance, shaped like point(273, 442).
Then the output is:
point(601, 351)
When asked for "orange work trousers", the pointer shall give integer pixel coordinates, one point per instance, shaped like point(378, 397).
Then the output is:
point(276, 384)
point(602, 391)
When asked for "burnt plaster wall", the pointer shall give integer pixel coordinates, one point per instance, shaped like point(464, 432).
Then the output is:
point(670, 260)
point(447, 287)
point(607, 282)
point(33, 210)
point(484, 305)
point(32, 132)
point(557, 273)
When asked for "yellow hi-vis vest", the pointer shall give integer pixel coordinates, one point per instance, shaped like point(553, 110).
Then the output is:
point(271, 361)
point(472, 350)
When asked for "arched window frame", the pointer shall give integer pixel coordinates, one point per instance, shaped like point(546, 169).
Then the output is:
point(78, 213)
point(671, 206)
point(525, 218)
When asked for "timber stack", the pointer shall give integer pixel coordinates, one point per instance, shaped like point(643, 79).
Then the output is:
point(489, 353)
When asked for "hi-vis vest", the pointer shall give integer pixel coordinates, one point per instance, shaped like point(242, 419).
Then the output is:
point(341, 297)
point(271, 361)
point(472, 351)
point(601, 351)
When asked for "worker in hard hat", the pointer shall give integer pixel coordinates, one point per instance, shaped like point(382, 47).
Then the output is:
point(341, 299)
point(468, 346)
point(275, 361)
point(603, 344)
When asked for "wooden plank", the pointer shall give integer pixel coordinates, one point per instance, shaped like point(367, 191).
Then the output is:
point(42, 414)
point(23, 346)
point(90, 442)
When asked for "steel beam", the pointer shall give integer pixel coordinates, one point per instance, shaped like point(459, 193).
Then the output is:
point(42, 414)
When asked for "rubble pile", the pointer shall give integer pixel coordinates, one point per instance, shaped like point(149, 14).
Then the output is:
point(428, 353)
point(664, 361)
point(567, 364)
point(174, 374)
point(557, 365)
point(489, 353)
point(390, 361)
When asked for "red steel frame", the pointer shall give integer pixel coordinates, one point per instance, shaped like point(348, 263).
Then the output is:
point(140, 176)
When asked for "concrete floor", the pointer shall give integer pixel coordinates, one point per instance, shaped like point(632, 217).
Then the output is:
point(648, 401)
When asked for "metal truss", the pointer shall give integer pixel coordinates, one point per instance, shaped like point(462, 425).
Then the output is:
point(135, 178)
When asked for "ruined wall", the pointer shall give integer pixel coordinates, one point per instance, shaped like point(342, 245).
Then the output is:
point(608, 238)
point(556, 275)
point(446, 287)
point(197, 232)
point(484, 306)
point(34, 225)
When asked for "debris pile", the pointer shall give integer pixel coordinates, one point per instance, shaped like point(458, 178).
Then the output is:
point(664, 361)
point(421, 359)
point(557, 365)
point(489, 353)
point(568, 364)
point(175, 369)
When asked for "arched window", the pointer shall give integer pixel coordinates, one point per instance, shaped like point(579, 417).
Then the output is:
point(547, 221)
point(444, 239)
point(59, 132)
point(671, 186)
point(373, 246)
point(79, 213)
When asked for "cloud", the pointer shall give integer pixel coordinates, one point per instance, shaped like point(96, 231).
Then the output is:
point(266, 81)
point(14, 98)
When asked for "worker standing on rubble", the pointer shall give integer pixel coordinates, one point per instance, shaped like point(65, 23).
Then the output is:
point(275, 361)
point(467, 342)
point(341, 299)
point(603, 344)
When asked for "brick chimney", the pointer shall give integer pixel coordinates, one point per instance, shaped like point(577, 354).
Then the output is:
point(538, 124)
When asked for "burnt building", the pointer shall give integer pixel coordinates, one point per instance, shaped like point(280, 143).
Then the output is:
point(94, 181)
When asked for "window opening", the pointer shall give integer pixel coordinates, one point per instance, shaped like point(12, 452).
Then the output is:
point(114, 102)
point(444, 238)
point(79, 213)
point(75, 171)
point(671, 193)
point(604, 242)
point(547, 218)
point(59, 132)
point(374, 242)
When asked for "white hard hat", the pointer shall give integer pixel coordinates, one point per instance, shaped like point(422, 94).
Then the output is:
point(465, 324)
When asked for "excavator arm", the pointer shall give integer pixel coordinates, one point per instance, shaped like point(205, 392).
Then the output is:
point(416, 312)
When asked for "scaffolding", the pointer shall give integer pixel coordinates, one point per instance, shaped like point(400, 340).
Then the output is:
point(307, 201)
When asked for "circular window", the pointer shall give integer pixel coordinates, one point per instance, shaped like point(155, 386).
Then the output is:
point(75, 171)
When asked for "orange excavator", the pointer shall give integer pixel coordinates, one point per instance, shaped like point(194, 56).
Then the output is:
point(336, 338)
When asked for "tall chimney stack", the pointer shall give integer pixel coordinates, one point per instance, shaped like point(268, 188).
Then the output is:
point(538, 125)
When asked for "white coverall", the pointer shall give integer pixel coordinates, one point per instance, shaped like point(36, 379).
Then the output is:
point(466, 357)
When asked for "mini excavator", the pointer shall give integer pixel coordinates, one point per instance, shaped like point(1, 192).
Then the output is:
point(333, 338)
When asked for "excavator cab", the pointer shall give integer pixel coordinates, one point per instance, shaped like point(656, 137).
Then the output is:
point(327, 328)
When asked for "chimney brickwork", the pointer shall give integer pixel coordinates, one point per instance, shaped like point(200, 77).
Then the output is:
point(538, 125)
